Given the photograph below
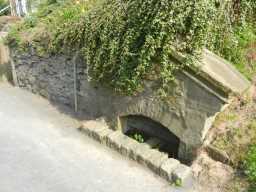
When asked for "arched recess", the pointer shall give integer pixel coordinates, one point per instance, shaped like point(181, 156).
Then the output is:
point(153, 133)
point(174, 118)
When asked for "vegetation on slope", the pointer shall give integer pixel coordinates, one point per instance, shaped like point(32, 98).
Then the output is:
point(235, 135)
point(234, 35)
point(250, 164)
point(3, 3)
point(123, 40)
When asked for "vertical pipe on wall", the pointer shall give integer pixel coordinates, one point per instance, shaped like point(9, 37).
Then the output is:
point(75, 82)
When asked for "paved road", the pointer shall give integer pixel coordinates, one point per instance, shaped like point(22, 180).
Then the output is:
point(42, 151)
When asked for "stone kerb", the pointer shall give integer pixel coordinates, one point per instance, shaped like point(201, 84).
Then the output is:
point(167, 168)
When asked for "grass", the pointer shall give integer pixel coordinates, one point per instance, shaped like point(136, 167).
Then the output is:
point(239, 48)
point(250, 164)
point(245, 60)
point(3, 3)
point(236, 42)
point(236, 139)
point(235, 130)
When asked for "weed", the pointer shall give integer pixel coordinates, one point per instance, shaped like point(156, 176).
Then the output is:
point(177, 183)
point(138, 137)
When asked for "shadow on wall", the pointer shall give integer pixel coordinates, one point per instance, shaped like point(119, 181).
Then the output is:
point(5, 64)
point(152, 133)
point(5, 73)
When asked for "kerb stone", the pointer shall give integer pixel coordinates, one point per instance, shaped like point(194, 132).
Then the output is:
point(167, 168)
point(155, 161)
point(182, 173)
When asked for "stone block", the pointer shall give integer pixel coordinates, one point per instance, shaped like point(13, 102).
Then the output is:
point(114, 140)
point(182, 173)
point(90, 130)
point(102, 134)
point(142, 153)
point(96, 130)
point(167, 168)
point(128, 147)
point(155, 161)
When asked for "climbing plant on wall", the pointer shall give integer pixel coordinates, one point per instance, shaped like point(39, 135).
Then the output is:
point(125, 40)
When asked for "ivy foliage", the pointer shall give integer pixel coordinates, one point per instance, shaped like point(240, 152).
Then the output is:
point(125, 41)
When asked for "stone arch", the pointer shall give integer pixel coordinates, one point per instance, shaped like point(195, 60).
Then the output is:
point(157, 111)
point(153, 132)
point(173, 118)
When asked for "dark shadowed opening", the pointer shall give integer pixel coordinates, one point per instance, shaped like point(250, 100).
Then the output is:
point(145, 130)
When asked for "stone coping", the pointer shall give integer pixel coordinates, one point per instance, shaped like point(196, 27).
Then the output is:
point(223, 72)
point(168, 168)
point(218, 72)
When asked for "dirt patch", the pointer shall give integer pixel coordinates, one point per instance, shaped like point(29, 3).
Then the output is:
point(233, 132)
point(212, 175)
point(5, 67)
point(6, 21)
point(251, 56)
point(235, 128)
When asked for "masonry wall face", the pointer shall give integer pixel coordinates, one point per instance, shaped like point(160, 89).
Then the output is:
point(5, 67)
point(190, 106)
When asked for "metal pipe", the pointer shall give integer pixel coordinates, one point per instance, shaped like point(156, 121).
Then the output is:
point(75, 83)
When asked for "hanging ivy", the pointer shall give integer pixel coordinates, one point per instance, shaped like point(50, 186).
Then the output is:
point(125, 40)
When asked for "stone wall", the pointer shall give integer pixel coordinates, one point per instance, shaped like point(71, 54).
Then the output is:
point(188, 114)
point(5, 65)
